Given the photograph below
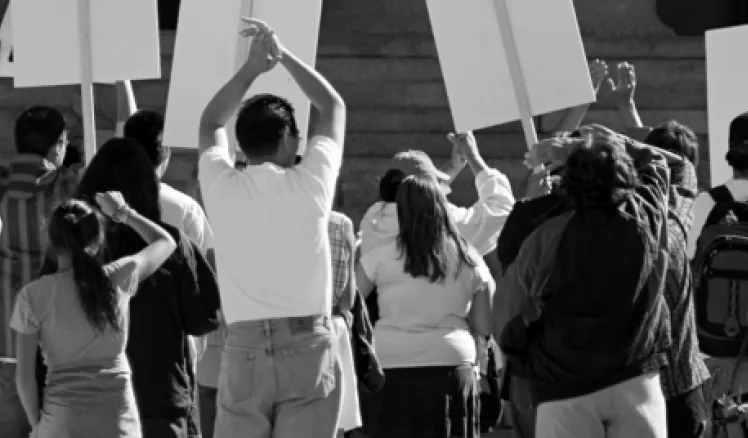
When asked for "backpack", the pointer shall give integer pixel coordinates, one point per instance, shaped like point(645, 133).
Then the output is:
point(720, 269)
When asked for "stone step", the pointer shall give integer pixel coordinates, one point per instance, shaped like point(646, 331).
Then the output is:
point(334, 43)
point(417, 82)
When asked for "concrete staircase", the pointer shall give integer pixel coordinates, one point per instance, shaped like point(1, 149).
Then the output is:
point(382, 58)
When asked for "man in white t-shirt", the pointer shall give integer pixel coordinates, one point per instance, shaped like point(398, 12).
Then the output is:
point(279, 373)
point(737, 157)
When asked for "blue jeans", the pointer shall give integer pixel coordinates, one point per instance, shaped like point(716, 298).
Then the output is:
point(279, 379)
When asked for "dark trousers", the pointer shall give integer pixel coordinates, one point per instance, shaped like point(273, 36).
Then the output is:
point(207, 403)
point(688, 415)
point(521, 410)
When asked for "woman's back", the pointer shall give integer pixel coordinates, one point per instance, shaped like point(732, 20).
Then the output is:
point(423, 323)
point(52, 306)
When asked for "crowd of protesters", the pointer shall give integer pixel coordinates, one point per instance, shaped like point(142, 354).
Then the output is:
point(251, 308)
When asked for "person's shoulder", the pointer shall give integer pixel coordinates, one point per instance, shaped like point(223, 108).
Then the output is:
point(340, 219)
point(180, 200)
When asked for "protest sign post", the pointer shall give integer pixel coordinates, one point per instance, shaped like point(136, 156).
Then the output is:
point(727, 94)
point(515, 71)
point(196, 79)
point(86, 66)
point(502, 61)
point(84, 42)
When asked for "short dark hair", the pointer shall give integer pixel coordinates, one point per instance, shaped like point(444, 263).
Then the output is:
point(677, 138)
point(38, 129)
point(261, 124)
point(145, 126)
point(598, 172)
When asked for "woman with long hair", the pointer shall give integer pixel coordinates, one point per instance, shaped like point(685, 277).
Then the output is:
point(79, 316)
point(180, 300)
point(435, 293)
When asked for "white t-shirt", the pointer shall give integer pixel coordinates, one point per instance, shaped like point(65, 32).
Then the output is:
point(270, 229)
point(423, 323)
point(185, 214)
point(704, 205)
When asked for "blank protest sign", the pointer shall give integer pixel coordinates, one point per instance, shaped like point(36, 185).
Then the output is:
point(124, 39)
point(6, 40)
point(727, 93)
point(475, 69)
point(196, 79)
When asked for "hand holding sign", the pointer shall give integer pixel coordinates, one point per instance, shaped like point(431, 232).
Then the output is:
point(551, 152)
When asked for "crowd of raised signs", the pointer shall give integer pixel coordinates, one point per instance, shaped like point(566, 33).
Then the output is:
point(251, 309)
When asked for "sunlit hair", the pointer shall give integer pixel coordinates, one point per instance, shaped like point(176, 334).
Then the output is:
point(598, 172)
point(428, 238)
point(78, 229)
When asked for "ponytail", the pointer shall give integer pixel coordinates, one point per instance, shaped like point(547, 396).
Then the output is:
point(95, 291)
point(78, 229)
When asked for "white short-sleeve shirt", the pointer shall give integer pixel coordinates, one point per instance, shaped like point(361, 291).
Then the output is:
point(271, 232)
point(423, 323)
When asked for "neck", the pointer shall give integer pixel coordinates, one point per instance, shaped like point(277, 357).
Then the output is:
point(64, 262)
point(739, 175)
point(262, 160)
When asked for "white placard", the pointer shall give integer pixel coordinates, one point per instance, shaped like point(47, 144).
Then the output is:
point(727, 93)
point(475, 68)
point(6, 41)
point(196, 79)
point(124, 39)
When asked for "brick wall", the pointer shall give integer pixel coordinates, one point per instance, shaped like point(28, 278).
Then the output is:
point(381, 56)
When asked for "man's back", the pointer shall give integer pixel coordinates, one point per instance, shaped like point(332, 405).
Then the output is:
point(271, 235)
point(30, 188)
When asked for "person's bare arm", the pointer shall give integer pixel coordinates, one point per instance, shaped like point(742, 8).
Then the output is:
point(329, 104)
point(160, 243)
point(227, 100)
point(126, 106)
point(28, 392)
point(623, 92)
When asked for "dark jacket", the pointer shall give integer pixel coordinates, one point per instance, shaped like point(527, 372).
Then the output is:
point(180, 299)
point(368, 369)
point(589, 283)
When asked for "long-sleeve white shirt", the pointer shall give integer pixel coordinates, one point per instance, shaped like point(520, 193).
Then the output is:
point(480, 224)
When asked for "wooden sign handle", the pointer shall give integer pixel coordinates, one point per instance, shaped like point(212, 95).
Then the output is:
point(515, 70)
point(87, 96)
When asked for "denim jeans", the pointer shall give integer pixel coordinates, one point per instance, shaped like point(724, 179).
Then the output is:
point(279, 379)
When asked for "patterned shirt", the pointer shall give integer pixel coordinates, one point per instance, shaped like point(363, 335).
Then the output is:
point(30, 188)
point(342, 241)
point(687, 369)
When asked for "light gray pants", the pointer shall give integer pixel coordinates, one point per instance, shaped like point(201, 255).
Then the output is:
point(632, 409)
point(279, 379)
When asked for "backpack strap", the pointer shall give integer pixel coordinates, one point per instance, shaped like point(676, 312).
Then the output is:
point(723, 202)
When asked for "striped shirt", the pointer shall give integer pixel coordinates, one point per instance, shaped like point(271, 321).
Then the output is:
point(687, 369)
point(30, 188)
point(342, 241)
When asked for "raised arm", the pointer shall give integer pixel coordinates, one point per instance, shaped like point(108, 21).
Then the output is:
point(160, 243)
point(327, 101)
point(225, 103)
point(126, 106)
